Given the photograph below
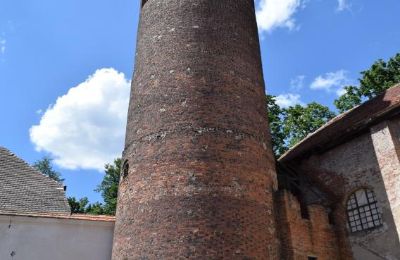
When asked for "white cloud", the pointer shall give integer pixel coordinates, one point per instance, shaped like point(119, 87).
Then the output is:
point(85, 128)
point(2, 46)
point(39, 111)
point(343, 5)
point(331, 82)
point(341, 91)
point(272, 14)
point(297, 83)
point(288, 100)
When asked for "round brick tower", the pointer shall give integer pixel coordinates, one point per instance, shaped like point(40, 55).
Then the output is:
point(198, 173)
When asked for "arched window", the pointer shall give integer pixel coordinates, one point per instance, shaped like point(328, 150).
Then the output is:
point(362, 211)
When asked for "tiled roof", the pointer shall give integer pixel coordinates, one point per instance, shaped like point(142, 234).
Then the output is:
point(348, 124)
point(25, 190)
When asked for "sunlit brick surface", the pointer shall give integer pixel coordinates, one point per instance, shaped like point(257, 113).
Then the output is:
point(201, 171)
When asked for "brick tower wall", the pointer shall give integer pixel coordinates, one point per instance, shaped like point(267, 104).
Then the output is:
point(201, 171)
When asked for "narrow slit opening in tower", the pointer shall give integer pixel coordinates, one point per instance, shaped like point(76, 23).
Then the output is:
point(125, 170)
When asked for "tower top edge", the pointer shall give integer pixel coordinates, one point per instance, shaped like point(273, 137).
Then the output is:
point(143, 2)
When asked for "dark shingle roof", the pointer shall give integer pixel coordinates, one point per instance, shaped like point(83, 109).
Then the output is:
point(25, 190)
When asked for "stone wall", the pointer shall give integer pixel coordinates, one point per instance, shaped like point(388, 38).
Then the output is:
point(367, 161)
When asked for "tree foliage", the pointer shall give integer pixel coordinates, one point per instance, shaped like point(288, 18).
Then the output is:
point(379, 77)
point(45, 166)
point(82, 206)
point(290, 125)
point(275, 116)
point(108, 189)
point(349, 99)
point(78, 206)
point(299, 121)
point(96, 208)
point(109, 186)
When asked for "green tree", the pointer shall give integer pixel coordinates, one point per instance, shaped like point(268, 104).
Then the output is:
point(379, 77)
point(45, 166)
point(299, 121)
point(290, 125)
point(349, 99)
point(95, 209)
point(82, 206)
point(275, 115)
point(108, 189)
point(78, 206)
point(109, 186)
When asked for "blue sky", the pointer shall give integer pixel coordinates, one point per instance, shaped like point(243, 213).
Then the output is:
point(65, 68)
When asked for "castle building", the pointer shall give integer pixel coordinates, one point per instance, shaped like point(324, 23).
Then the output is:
point(199, 178)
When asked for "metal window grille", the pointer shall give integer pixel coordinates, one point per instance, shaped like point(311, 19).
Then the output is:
point(362, 211)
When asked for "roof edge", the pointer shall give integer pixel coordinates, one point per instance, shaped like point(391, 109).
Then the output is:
point(98, 218)
point(346, 124)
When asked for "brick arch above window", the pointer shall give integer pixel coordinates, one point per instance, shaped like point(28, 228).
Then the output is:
point(362, 211)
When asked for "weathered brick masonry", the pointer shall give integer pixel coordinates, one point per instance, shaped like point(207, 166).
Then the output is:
point(310, 219)
point(351, 166)
point(302, 238)
point(359, 150)
point(200, 174)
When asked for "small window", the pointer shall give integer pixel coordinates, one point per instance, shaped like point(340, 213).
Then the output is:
point(362, 211)
point(125, 170)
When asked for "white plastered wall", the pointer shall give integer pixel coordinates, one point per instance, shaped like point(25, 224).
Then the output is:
point(39, 238)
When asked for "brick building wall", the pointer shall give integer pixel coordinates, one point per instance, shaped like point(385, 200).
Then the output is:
point(369, 160)
point(386, 140)
point(302, 238)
